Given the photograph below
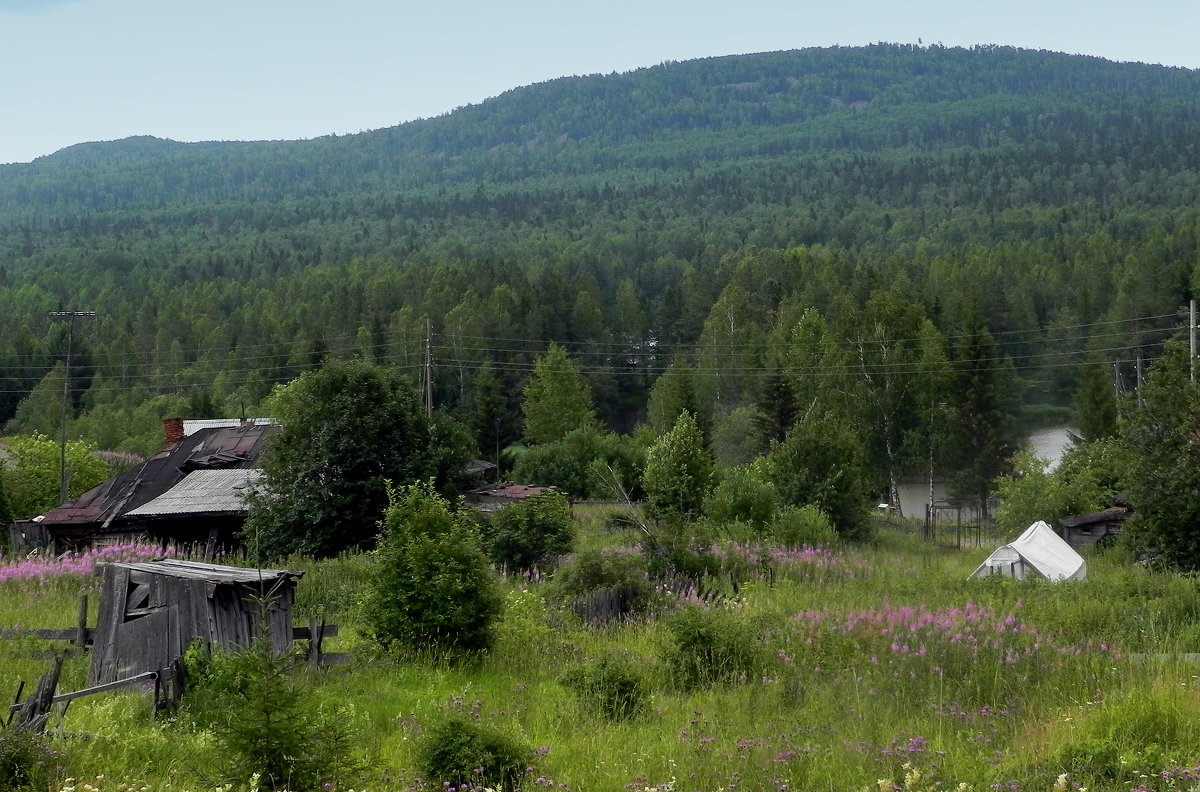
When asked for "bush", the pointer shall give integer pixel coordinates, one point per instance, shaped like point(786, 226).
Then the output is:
point(806, 526)
point(586, 463)
point(620, 578)
point(609, 686)
point(742, 496)
point(264, 720)
point(434, 589)
point(26, 760)
point(528, 534)
point(459, 752)
point(712, 647)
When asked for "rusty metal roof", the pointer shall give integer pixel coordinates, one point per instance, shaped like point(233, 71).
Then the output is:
point(510, 491)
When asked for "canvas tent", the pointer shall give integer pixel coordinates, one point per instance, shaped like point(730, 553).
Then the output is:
point(1039, 552)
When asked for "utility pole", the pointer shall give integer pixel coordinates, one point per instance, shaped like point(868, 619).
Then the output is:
point(428, 368)
point(63, 478)
point(1192, 338)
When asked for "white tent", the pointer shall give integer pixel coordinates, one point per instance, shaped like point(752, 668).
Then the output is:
point(1039, 552)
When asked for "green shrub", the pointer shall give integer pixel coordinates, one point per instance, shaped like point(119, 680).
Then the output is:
point(264, 720)
point(528, 534)
point(433, 589)
point(458, 751)
point(26, 760)
point(712, 647)
point(742, 496)
point(609, 686)
point(587, 463)
point(804, 526)
point(617, 576)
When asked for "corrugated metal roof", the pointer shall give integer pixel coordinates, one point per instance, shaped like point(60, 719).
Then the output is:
point(211, 573)
point(202, 492)
point(193, 425)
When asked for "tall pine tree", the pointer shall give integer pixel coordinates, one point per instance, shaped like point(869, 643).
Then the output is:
point(982, 436)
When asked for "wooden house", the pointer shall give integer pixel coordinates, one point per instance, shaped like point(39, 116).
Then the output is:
point(1084, 530)
point(151, 612)
point(190, 493)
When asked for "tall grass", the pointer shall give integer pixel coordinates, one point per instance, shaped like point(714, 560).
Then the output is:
point(873, 663)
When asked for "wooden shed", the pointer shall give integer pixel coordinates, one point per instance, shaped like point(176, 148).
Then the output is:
point(151, 612)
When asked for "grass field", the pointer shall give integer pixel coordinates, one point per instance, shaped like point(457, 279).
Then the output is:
point(872, 667)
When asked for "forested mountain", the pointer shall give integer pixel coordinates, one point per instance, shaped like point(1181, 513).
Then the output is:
point(689, 212)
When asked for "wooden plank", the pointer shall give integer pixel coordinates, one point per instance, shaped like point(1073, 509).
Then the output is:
point(175, 642)
point(114, 587)
point(139, 598)
point(305, 633)
point(143, 645)
point(16, 702)
point(120, 683)
point(49, 635)
point(35, 711)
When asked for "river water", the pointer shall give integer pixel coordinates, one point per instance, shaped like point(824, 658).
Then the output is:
point(1051, 444)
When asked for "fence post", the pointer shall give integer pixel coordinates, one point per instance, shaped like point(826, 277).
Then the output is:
point(81, 624)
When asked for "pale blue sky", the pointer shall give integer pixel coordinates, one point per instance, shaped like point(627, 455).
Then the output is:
point(73, 71)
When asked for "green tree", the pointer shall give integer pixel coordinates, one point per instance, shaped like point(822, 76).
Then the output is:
point(42, 410)
point(557, 398)
point(1095, 401)
point(673, 394)
point(776, 406)
point(6, 512)
point(345, 429)
point(1164, 474)
point(679, 470)
point(433, 589)
point(490, 415)
point(736, 438)
point(1033, 493)
point(744, 495)
point(982, 438)
point(32, 475)
point(264, 718)
point(821, 464)
point(894, 355)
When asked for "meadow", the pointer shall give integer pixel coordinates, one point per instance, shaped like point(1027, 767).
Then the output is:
point(869, 667)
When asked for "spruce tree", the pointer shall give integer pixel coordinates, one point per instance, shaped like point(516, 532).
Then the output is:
point(983, 439)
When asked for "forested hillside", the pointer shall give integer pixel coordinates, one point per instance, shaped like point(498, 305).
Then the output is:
point(925, 201)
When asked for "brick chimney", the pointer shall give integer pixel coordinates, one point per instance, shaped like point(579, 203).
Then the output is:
point(172, 432)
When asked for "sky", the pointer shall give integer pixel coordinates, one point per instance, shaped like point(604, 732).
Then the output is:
point(74, 71)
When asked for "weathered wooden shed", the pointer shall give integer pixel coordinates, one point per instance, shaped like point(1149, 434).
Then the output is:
point(151, 612)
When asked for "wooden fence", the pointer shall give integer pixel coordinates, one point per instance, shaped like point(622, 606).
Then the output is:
point(34, 712)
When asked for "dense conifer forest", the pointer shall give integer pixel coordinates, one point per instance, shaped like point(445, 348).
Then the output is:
point(776, 229)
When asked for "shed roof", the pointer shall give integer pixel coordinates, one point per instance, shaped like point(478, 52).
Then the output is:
point(202, 492)
point(1113, 514)
point(210, 573)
